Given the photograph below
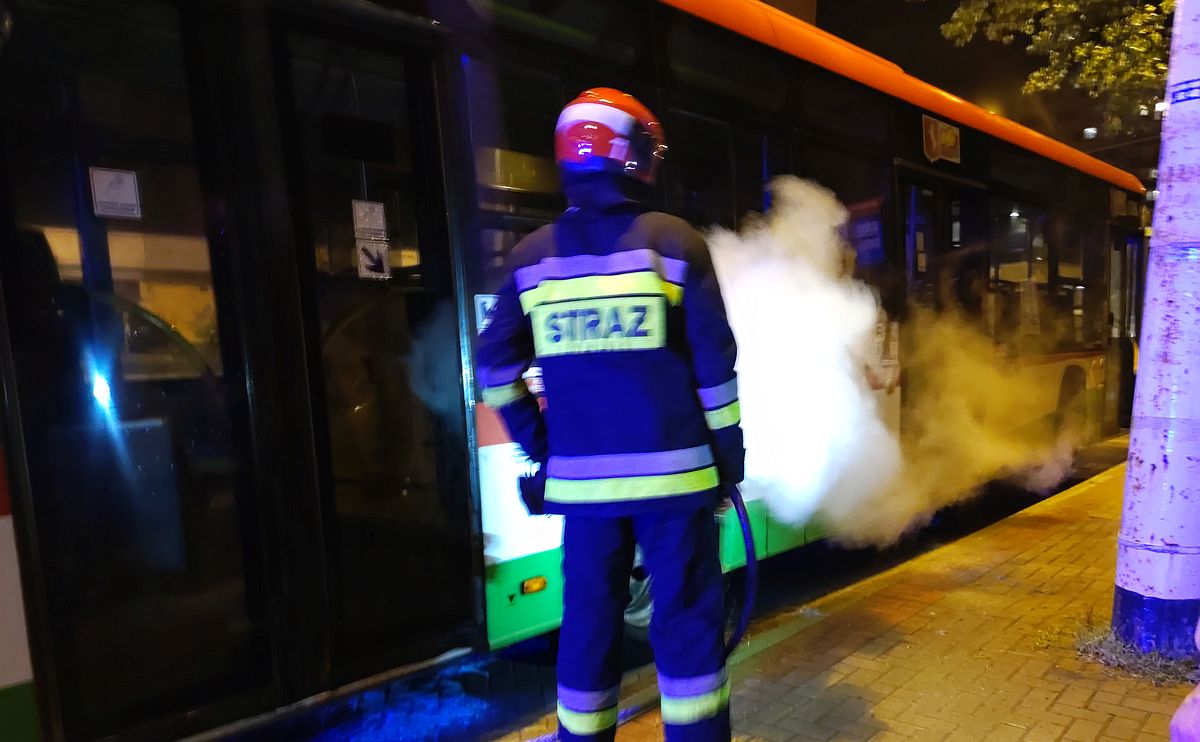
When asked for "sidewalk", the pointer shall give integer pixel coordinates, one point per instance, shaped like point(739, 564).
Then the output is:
point(971, 641)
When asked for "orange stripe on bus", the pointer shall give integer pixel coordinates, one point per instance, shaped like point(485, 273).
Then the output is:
point(789, 34)
point(489, 427)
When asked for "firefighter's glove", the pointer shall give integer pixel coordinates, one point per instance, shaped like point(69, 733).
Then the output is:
point(533, 491)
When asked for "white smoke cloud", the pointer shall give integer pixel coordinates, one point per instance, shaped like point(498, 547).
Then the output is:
point(816, 441)
point(805, 332)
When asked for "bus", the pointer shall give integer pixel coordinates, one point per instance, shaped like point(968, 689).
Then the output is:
point(246, 249)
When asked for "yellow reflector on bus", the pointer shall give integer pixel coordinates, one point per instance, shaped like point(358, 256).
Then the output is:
point(533, 585)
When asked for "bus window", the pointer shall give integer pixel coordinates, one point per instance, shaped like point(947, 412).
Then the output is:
point(1009, 268)
point(1039, 269)
point(161, 289)
point(1020, 276)
point(138, 465)
point(1019, 168)
point(1010, 242)
point(845, 109)
point(1078, 298)
point(597, 28)
point(1118, 299)
point(860, 182)
point(496, 244)
point(966, 272)
point(713, 59)
point(513, 111)
point(698, 173)
point(1071, 294)
point(921, 243)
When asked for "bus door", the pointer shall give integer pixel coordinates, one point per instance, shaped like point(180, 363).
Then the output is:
point(944, 232)
point(924, 240)
point(946, 246)
point(384, 348)
point(125, 399)
point(1125, 247)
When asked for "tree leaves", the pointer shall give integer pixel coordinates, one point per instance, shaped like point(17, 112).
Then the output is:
point(1114, 50)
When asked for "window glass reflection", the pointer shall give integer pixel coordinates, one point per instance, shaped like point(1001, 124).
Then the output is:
point(137, 468)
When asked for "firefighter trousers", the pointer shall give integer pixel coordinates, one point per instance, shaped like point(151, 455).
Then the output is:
point(686, 632)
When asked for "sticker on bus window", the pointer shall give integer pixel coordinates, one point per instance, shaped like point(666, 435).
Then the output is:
point(485, 304)
point(373, 261)
point(115, 193)
point(370, 220)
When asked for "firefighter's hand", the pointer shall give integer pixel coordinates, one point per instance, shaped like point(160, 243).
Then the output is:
point(725, 499)
point(533, 492)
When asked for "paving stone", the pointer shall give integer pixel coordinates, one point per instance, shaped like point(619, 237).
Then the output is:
point(951, 645)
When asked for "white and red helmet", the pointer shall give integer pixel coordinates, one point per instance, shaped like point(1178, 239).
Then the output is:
point(605, 130)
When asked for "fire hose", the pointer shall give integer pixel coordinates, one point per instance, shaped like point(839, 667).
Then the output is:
point(750, 593)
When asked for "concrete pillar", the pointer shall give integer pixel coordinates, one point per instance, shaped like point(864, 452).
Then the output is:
point(1157, 602)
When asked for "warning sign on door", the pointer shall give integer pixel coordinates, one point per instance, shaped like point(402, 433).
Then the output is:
point(370, 240)
point(373, 261)
point(115, 193)
point(485, 304)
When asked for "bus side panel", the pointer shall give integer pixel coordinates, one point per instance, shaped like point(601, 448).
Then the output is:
point(518, 547)
point(18, 706)
point(1047, 378)
point(513, 616)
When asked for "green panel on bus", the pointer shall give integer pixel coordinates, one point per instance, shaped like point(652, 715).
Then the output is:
point(19, 714)
point(783, 537)
point(513, 617)
point(733, 550)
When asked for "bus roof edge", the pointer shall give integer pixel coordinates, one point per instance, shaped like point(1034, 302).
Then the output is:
point(767, 25)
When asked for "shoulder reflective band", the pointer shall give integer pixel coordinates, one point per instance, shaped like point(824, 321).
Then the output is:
point(577, 266)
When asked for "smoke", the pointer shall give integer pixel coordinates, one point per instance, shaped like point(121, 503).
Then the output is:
point(817, 443)
point(433, 363)
point(813, 433)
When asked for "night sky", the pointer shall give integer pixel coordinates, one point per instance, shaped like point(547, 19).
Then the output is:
point(984, 72)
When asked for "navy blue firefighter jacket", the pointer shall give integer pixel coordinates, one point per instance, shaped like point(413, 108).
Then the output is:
point(621, 309)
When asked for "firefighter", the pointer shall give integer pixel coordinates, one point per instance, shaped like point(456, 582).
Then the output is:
point(620, 308)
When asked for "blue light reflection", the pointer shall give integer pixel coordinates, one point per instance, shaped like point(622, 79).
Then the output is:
point(101, 391)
